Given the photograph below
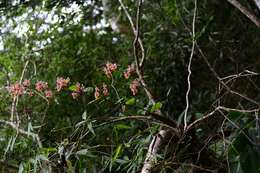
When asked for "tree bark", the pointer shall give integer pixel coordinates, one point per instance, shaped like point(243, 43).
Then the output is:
point(257, 3)
point(157, 143)
point(246, 12)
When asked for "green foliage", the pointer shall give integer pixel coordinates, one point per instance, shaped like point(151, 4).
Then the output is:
point(97, 132)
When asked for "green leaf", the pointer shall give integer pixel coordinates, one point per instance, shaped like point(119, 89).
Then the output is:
point(247, 155)
point(130, 101)
point(21, 168)
point(122, 126)
point(72, 88)
point(90, 127)
point(249, 161)
point(156, 107)
point(84, 115)
point(117, 152)
point(48, 150)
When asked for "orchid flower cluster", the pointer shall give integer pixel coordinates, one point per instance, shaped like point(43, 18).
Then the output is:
point(25, 87)
point(110, 68)
point(105, 91)
point(129, 71)
point(41, 87)
point(20, 88)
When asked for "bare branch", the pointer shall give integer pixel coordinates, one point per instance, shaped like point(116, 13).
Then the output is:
point(219, 108)
point(135, 46)
point(241, 130)
point(189, 65)
point(246, 12)
point(257, 3)
point(222, 82)
point(190, 126)
point(141, 63)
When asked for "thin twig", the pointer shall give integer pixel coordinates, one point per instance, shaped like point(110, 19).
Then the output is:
point(141, 63)
point(112, 120)
point(136, 31)
point(191, 125)
point(221, 81)
point(114, 88)
point(257, 123)
point(238, 127)
point(135, 46)
point(194, 166)
point(219, 108)
point(244, 73)
point(158, 114)
point(203, 147)
point(224, 144)
point(238, 110)
point(189, 65)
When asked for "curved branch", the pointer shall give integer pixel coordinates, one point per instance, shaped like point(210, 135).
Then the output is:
point(189, 65)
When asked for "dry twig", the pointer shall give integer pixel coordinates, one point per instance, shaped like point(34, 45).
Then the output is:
point(134, 30)
point(189, 65)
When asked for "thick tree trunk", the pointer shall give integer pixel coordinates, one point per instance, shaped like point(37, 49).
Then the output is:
point(157, 143)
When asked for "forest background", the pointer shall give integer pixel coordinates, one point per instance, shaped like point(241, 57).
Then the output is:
point(129, 86)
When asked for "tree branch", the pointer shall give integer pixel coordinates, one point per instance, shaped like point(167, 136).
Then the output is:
point(257, 3)
point(155, 146)
point(141, 63)
point(158, 140)
point(246, 12)
point(23, 132)
point(189, 65)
